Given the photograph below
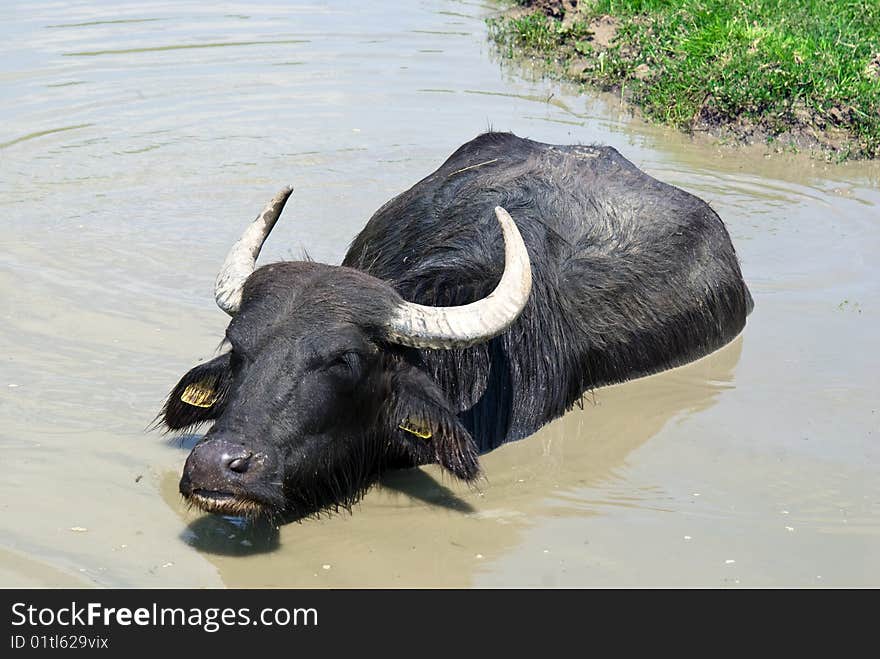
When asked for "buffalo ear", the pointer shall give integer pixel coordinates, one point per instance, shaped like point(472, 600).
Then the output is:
point(199, 396)
point(422, 422)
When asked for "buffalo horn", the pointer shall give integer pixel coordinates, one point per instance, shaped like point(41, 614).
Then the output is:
point(242, 258)
point(459, 327)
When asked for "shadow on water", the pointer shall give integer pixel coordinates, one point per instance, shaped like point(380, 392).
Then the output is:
point(421, 486)
point(231, 536)
point(238, 536)
point(221, 535)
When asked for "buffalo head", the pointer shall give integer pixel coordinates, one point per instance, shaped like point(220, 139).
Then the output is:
point(321, 388)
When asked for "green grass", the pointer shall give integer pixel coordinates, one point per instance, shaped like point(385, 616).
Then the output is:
point(807, 67)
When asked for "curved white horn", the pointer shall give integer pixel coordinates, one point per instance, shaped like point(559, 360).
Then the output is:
point(242, 258)
point(459, 327)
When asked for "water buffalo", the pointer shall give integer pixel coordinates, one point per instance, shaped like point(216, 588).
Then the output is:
point(471, 310)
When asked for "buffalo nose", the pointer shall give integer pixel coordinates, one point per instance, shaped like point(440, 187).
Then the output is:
point(217, 464)
point(239, 464)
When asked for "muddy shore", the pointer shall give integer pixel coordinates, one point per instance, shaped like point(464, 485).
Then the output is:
point(572, 40)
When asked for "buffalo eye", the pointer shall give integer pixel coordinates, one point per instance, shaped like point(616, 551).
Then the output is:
point(347, 365)
point(238, 358)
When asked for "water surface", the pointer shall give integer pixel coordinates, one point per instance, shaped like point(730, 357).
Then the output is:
point(136, 141)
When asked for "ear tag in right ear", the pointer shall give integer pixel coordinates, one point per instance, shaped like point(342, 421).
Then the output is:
point(417, 428)
point(200, 394)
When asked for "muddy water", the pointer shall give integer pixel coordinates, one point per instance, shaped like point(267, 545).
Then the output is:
point(136, 140)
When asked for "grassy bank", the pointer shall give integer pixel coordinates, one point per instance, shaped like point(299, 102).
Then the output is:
point(800, 74)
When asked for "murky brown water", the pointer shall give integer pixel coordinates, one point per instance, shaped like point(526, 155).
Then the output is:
point(135, 141)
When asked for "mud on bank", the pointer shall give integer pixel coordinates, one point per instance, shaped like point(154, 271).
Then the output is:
point(801, 78)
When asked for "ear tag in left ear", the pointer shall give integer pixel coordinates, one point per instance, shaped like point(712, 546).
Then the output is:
point(201, 393)
point(417, 428)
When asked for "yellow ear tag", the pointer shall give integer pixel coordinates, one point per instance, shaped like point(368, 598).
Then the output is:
point(201, 393)
point(416, 428)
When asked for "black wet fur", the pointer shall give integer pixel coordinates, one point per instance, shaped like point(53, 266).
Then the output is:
point(630, 276)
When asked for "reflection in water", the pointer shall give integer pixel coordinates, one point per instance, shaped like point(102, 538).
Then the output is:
point(153, 49)
point(41, 133)
point(236, 536)
point(231, 536)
